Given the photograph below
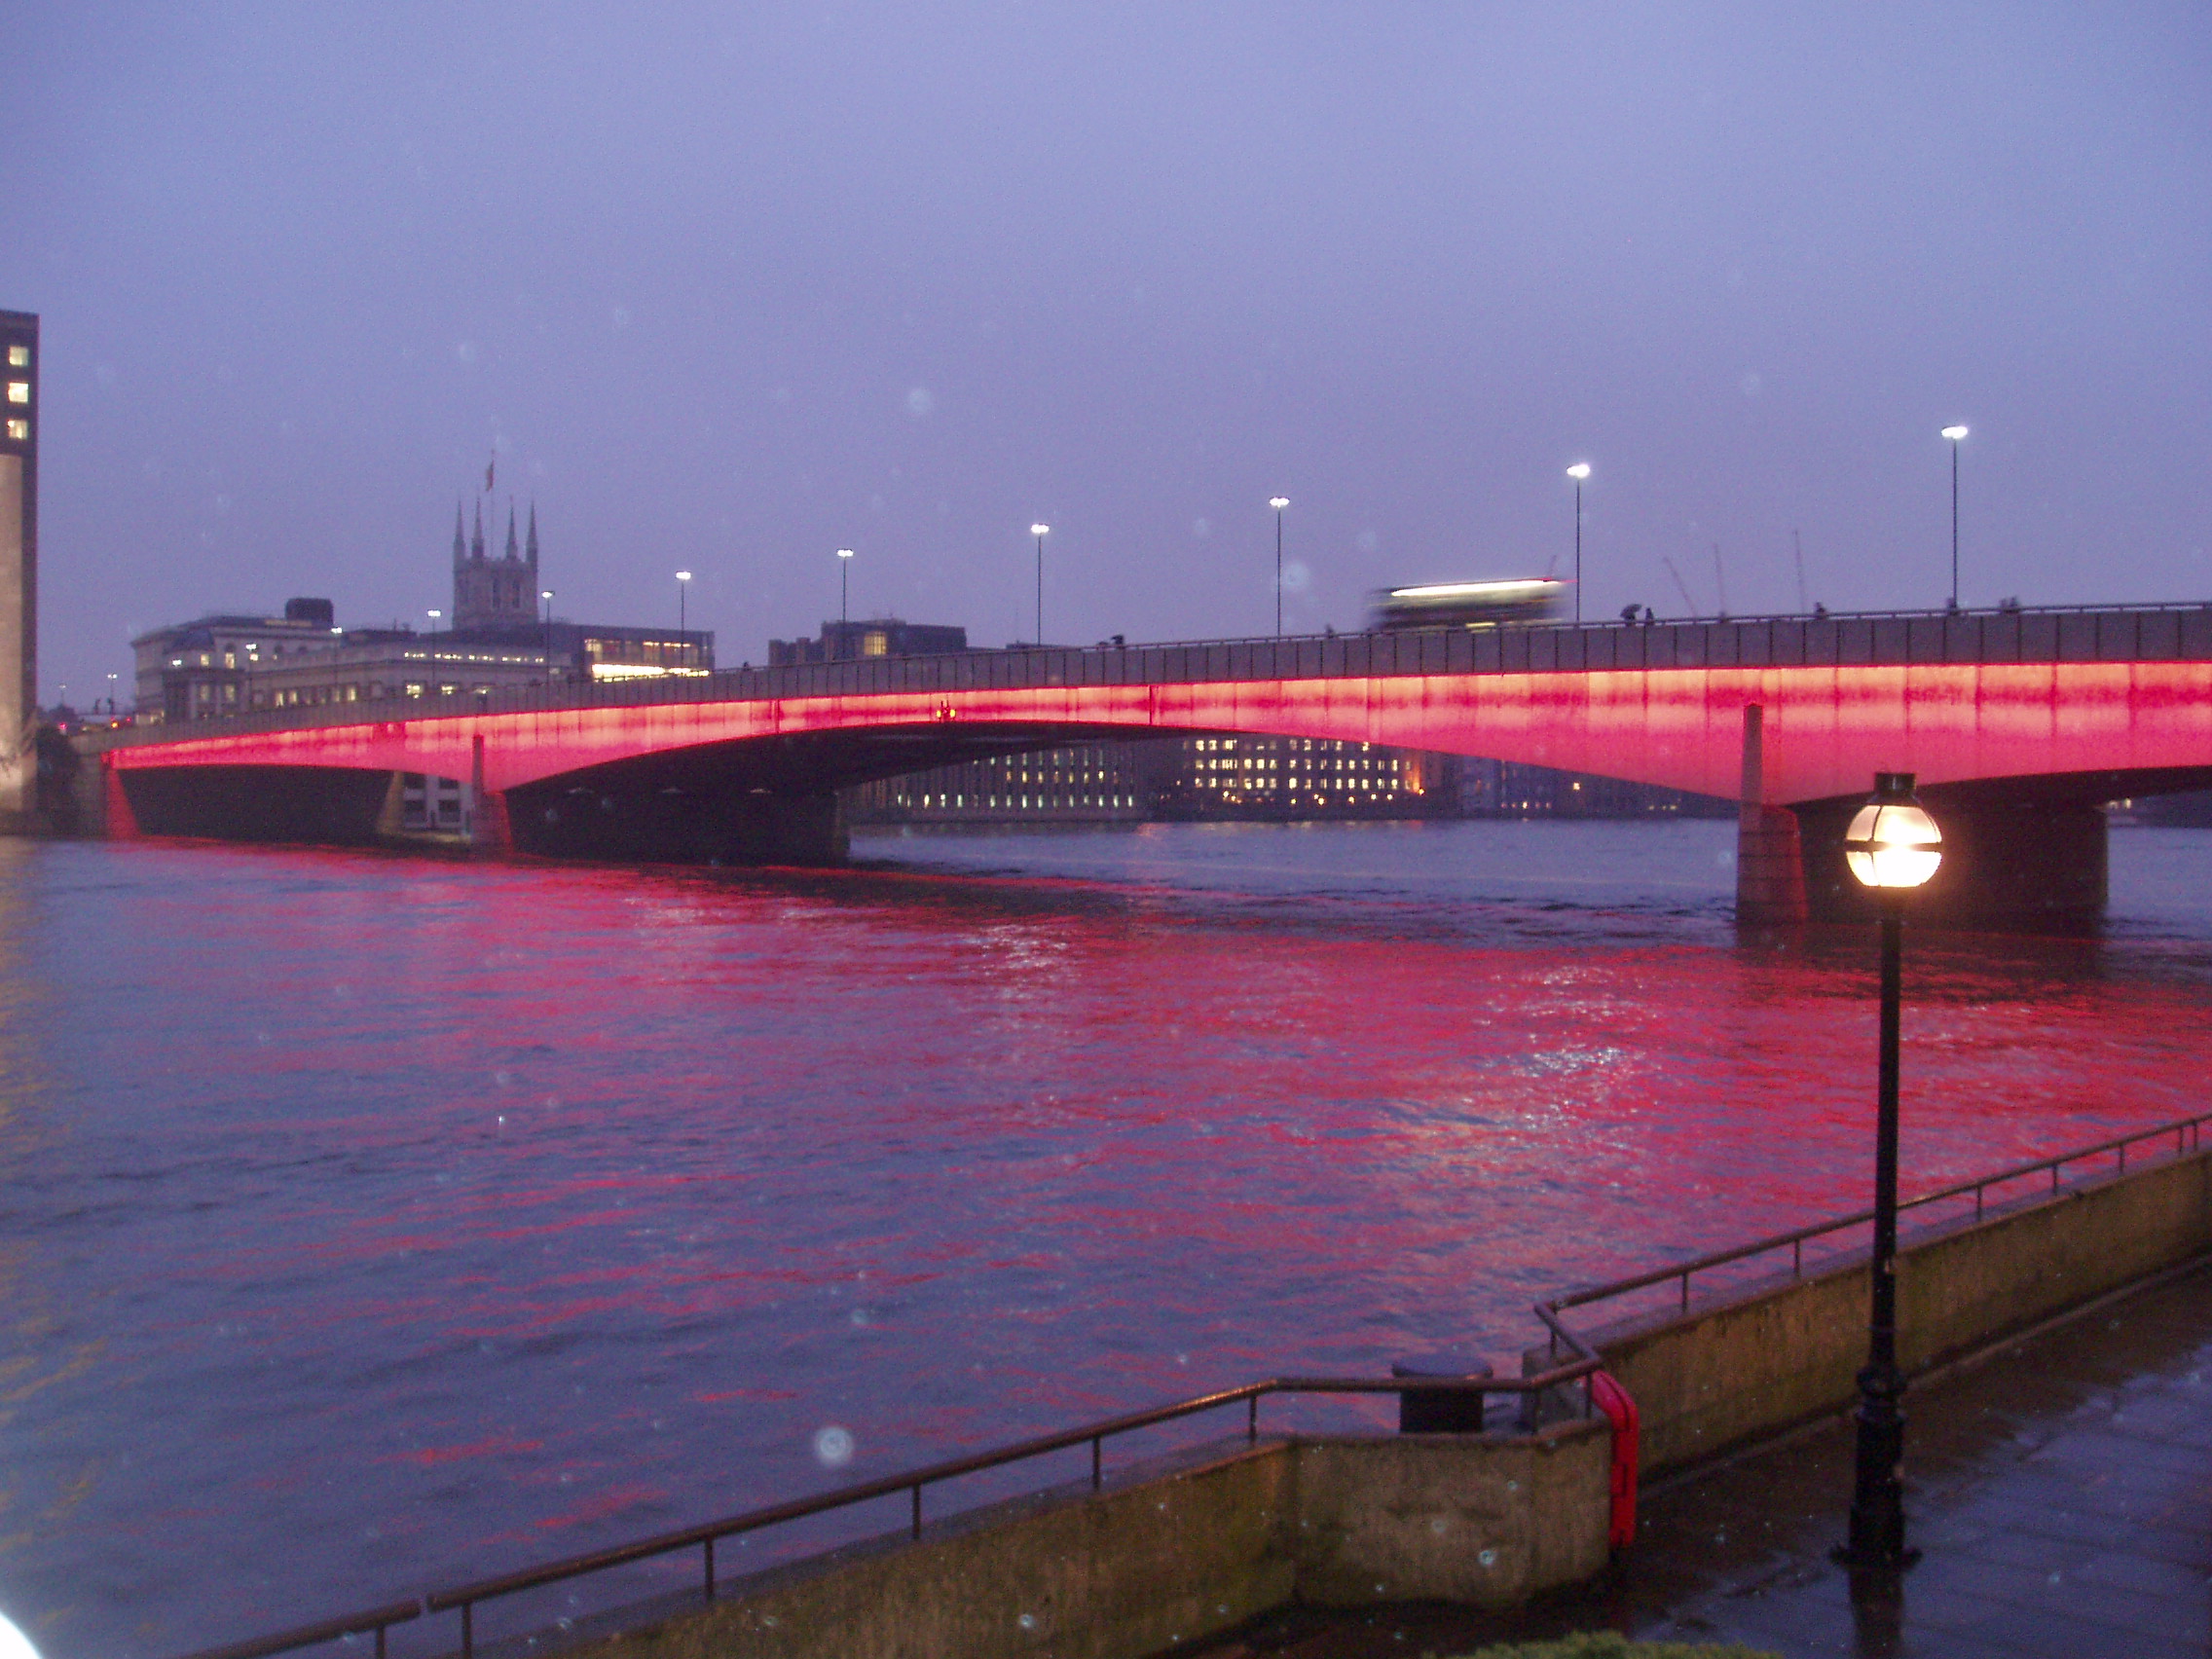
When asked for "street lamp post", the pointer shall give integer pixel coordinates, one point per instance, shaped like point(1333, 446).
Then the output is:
point(1954, 433)
point(1040, 531)
point(1578, 472)
point(546, 594)
point(1279, 503)
point(844, 592)
point(682, 592)
point(1893, 846)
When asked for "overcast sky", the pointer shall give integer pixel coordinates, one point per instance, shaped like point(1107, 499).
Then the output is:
point(727, 287)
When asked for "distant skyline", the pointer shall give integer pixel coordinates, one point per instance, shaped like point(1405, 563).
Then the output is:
point(726, 288)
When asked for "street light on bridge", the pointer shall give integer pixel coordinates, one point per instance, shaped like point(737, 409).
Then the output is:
point(1040, 531)
point(845, 588)
point(1279, 503)
point(1955, 434)
point(1893, 846)
point(682, 588)
point(1578, 472)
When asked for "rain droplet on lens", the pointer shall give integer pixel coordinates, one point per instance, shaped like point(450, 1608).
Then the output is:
point(832, 1446)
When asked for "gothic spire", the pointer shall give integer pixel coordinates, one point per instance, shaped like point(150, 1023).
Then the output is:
point(512, 552)
point(533, 538)
point(476, 542)
point(459, 548)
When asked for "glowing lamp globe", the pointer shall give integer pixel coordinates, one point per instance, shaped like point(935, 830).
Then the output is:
point(1893, 843)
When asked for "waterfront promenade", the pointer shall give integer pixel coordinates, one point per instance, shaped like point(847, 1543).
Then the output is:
point(2058, 1488)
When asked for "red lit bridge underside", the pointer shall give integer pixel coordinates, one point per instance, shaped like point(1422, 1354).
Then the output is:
point(1826, 729)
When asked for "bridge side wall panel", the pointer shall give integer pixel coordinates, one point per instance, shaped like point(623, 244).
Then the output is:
point(1827, 728)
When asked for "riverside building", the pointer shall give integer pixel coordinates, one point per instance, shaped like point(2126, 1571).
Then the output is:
point(230, 664)
point(20, 417)
point(1253, 779)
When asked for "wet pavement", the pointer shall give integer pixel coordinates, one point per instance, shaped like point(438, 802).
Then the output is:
point(2060, 1491)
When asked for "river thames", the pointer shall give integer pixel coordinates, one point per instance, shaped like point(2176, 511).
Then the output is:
point(375, 1221)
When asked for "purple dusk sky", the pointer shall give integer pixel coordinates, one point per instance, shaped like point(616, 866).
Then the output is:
point(727, 287)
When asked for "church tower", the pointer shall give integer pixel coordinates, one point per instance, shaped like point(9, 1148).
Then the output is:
point(494, 593)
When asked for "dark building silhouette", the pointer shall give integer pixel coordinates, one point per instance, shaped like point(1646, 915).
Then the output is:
point(499, 594)
point(886, 636)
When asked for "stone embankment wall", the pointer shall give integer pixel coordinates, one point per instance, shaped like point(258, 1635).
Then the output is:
point(1780, 1353)
point(1170, 1554)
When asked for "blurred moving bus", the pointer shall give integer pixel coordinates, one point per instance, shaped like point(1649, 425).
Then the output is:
point(1468, 604)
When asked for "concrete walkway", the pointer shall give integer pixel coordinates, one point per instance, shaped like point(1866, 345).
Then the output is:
point(2060, 1490)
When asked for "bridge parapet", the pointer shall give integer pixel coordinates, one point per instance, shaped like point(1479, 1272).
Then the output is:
point(2118, 634)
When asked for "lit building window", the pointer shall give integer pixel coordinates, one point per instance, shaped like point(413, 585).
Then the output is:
point(18, 431)
point(18, 392)
point(18, 356)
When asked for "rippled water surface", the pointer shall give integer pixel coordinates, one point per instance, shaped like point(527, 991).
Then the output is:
point(368, 1223)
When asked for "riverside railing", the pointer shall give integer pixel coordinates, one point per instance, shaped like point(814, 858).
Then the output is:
point(464, 1599)
point(2185, 1133)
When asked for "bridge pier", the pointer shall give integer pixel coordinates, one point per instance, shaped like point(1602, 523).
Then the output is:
point(1770, 866)
point(676, 826)
point(2018, 863)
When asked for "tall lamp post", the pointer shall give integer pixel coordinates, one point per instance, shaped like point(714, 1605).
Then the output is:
point(1040, 531)
point(545, 595)
point(1279, 503)
point(1954, 433)
point(844, 593)
point(1578, 472)
point(1893, 846)
point(682, 591)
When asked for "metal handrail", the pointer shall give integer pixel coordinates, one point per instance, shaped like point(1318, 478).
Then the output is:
point(1585, 1361)
point(2187, 1133)
point(703, 1535)
point(376, 1619)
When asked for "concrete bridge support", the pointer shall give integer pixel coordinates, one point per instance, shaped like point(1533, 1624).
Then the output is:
point(676, 826)
point(2013, 856)
point(2023, 862)
point(1770, 867)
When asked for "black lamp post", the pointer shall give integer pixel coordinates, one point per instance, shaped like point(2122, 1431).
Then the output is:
point(1279, 503)
point(844, 593)
point(1955, 434)
point(1893, 846)
point(1578, 472)
point(1040, 531)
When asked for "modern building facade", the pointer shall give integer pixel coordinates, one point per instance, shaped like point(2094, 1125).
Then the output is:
point(20, 416)
point(1253, 779)
point(1085, 783)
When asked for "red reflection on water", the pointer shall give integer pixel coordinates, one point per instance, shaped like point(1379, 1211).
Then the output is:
point(532, 1208)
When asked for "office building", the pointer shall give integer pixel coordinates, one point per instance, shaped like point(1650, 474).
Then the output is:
point(20, 416)
point(228, 664)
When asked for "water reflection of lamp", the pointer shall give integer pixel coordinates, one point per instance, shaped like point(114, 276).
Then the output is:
point(1893, 846)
